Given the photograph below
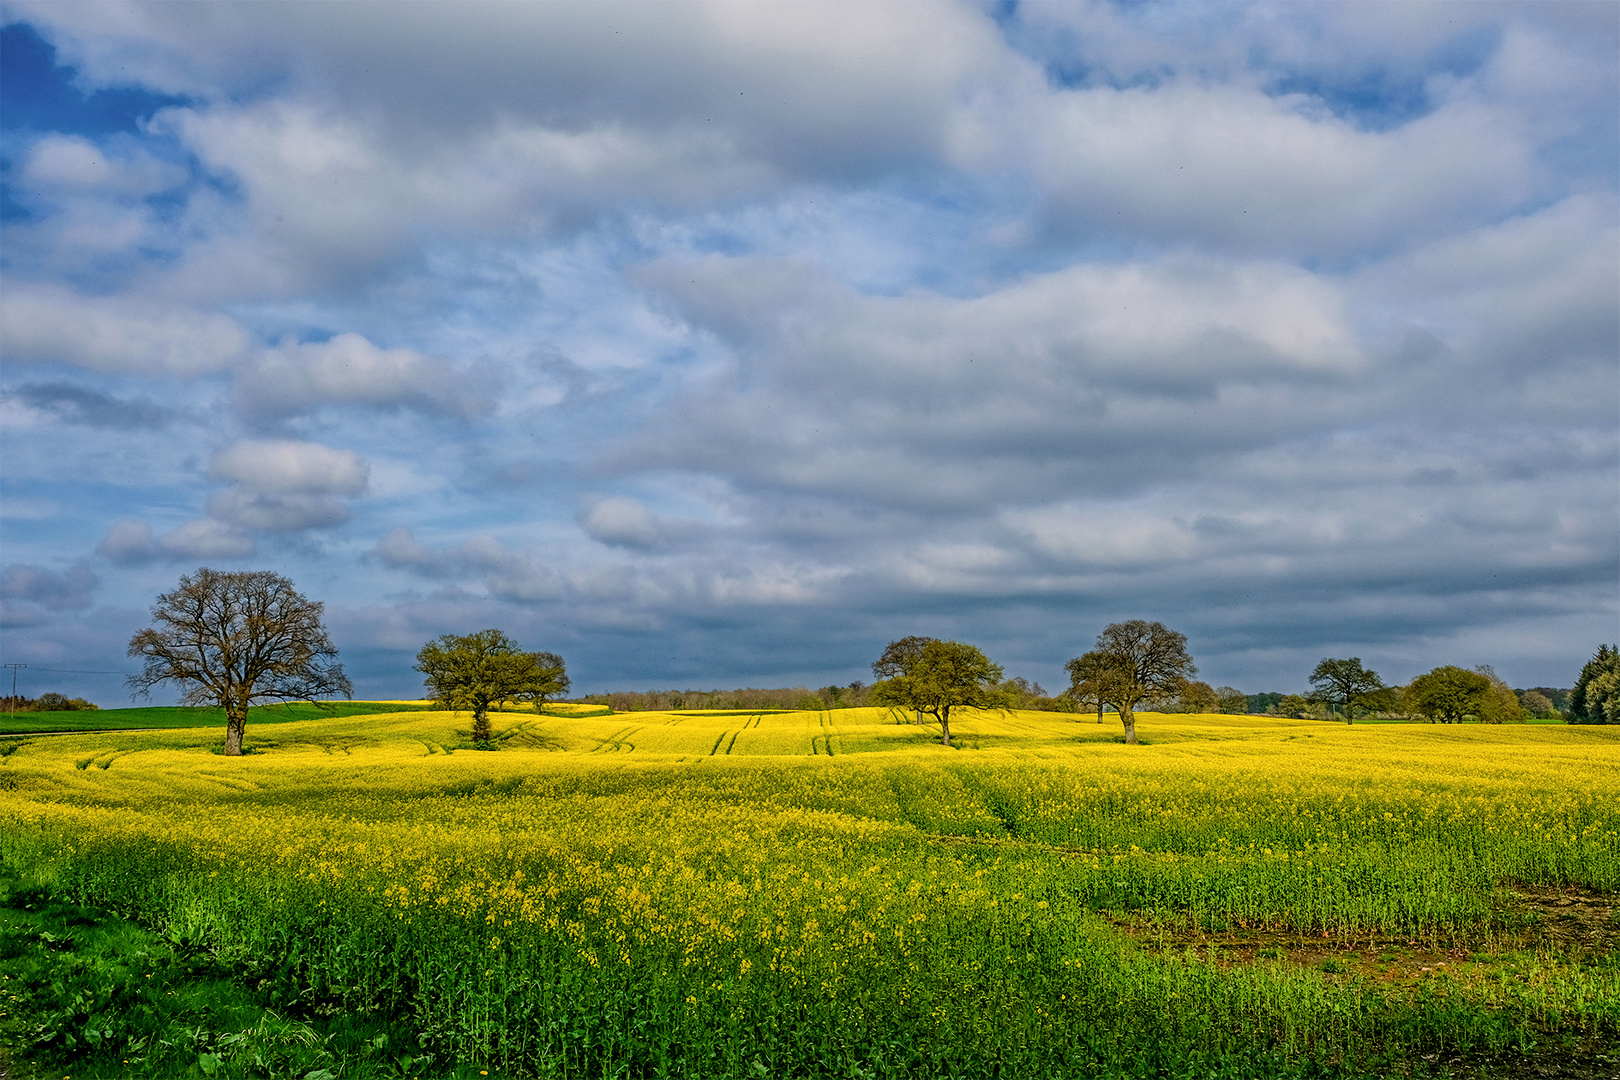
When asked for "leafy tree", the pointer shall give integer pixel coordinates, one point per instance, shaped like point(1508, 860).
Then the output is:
point(1020, 693)
point(1295, 705)
point(1264, 703)
point(1346, 683)
point(53, 702)
point(1448, 694)
point(475, 671)
point(231, 640)
point(1596, 697)
point(897, 658)
point(942, 675)
point(1501, 704)
point(1091, 682)
point(1603, 697)
point(1536, 703)
point(1198, 697)
point(1134, 661)
point(1558, 697)
point(1229, 699)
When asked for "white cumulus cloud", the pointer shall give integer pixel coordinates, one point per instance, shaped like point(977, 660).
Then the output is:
point(622, 522)
point(294, 378)
point(206, 538)
point(116, 335)
point(283, 485)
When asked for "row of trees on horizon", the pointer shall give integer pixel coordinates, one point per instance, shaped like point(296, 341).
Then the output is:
point(1342, 689)
point(235, 639)
point(1538, 703)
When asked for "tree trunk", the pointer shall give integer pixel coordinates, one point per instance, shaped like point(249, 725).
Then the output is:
point(945, 723)
point(235, 725)
point(1127, 716)
point(1099, 712)
point(480, 724)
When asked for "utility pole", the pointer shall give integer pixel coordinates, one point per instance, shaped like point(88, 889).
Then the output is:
point(14, 668)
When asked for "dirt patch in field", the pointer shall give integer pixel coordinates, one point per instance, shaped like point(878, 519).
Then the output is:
point(1529, 918)
point(1592, 1061)
point(1560, 916)
point(1532, 923)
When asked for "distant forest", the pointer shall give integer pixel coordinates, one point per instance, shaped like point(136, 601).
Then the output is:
point(1538, 701)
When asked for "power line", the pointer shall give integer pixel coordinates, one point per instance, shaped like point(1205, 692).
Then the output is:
point(14, 668)
point(65, 671)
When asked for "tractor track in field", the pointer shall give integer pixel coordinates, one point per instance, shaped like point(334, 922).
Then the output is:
point(616, 742)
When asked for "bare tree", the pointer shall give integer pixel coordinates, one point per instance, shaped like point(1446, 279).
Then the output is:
point(234, 639)
point(1136, 660)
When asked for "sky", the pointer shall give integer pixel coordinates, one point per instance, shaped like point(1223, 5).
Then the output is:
point(716, 345)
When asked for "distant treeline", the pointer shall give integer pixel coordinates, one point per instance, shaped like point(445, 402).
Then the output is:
point(45, 703)
point(1540, 701)
point(1014, 693)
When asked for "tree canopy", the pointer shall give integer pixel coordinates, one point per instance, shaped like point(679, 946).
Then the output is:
point(1596, 697)
point(1197, 697)
point(1133, 661)
point(1501, 704)
point(1091, 682)
point(897, 658)
point(934, 677)
point(475, 671)
point(1347, 684)
point(233, 639)
point(1448, 694)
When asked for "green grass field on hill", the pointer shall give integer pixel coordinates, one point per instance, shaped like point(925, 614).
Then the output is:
point(812, 894)
point(177, 716)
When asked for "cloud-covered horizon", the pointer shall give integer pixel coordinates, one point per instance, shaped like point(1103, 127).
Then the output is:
point(719, 344)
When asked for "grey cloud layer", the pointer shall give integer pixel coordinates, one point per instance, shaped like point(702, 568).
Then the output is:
point(1084, 381)
point(804, 326)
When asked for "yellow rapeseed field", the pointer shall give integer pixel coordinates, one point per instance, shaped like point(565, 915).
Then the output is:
point(812, 892)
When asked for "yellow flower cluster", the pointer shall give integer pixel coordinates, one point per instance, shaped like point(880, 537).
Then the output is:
point(834, 854)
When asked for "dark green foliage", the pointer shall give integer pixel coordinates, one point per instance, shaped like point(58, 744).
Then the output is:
point(86, 993)
point(939, 676)
point(1448, 694)
point(1596, 697)
point(1347, 684)
point(1260, 704)
point(1134, 661)
point(475, 671)
point(750, 700)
